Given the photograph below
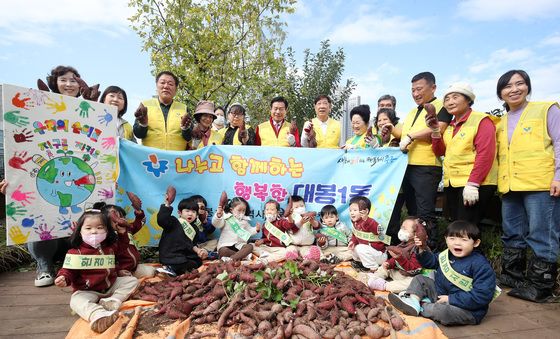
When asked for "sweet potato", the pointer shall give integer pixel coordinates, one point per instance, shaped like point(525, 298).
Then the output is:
point(247, 277)
point(288, 330)
point(148, 297)
point(264, 326)
point(330, 333)
point(372, 313)
point(326, 305)
point(306, 331)
point(213, 307)
point(374, 331)
point(347, 304)
point(360, 315)
point(174, 313)
point(226, 313)
point(171, 193)
point(223, 199)
point(176, 292)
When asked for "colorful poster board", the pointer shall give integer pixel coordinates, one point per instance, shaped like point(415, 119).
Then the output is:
point(60, 157)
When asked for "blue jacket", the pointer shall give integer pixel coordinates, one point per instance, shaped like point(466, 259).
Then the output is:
point(474, 266)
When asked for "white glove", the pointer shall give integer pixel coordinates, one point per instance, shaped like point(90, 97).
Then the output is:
point(291, 139)
point(470, 195)
point(407, 140)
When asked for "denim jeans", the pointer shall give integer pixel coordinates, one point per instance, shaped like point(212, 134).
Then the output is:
point(45, 253)
point(532, 219)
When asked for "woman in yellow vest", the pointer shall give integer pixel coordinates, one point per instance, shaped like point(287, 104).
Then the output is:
point(202, 133)
point(359, 116)
point(237, 133)
point(387, 117)
point(528, 138)
point(469, 145)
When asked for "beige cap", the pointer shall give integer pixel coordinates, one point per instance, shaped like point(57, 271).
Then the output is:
point(205, 107)
point(460, 87)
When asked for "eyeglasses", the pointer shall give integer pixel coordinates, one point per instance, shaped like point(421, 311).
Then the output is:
point(237, 114)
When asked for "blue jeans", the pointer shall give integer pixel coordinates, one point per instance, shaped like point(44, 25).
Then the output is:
point(45, 252)
point(532, 219)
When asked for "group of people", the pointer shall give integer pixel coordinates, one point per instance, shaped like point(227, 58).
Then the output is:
point(518, 155)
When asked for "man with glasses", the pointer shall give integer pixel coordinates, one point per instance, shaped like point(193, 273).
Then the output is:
point(237, 133)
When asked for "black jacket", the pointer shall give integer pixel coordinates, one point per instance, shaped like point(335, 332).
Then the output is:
point(174, 246)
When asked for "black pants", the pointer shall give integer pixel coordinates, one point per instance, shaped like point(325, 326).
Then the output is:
point(185, 267)
point(458, 210)
point(395, 222)
point(420, 186)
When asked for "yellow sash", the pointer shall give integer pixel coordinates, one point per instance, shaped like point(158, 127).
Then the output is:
point(456, 278)
point(275, 231)
point(188, 229)
point(371, 237)
point(87, 262)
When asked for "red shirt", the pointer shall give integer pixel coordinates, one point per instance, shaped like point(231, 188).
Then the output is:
point(407, 261)
point(128, 256)
point(484, 143)
point(282, 224)
point(98, 280)
point(276, 131)
point(368, 225)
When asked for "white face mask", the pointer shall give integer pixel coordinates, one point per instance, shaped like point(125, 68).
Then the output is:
point(299, 210)
point(219, 121)
point(239, 216)
point(94, 240)
point(270, 217)
point(403, 235)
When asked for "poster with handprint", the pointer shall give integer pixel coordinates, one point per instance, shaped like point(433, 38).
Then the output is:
point(60, 156)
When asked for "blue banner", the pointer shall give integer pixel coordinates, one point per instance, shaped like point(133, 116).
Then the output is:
point(320, 176)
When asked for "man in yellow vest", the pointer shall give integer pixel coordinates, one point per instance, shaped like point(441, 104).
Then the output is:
point(276, 131)
point(322, 131)
point(423, 173)
point(158, 120)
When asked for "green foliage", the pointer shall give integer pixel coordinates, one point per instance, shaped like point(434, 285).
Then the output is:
point(321, 74)
point(224, 51)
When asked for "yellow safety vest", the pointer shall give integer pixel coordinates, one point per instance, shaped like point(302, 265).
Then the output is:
point(128, 134)
point(358, 141)
point(420, 152)
point(527, 162)
point(332, 138)
point(235, 135)
point(268, 136)
point(216, 138)
point(160, 135)
point(460, 154)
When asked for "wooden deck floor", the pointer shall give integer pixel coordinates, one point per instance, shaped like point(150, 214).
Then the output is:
point(30, 312)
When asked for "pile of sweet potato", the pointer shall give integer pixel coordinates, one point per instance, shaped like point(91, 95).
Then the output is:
point(309, 300)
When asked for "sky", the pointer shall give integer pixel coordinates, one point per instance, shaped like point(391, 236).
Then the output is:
point(385, 43)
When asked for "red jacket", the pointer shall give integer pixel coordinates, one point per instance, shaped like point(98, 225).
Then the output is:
point(368, 225)
point(407, 262)
point(128, 256)
point(97, 280)
point(282, 224)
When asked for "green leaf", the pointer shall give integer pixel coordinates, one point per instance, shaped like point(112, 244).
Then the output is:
point(293, 303)
point(259, 276)
point(222, 276)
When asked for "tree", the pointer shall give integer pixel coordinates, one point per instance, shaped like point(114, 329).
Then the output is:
point(221, 50)
point(321, 74)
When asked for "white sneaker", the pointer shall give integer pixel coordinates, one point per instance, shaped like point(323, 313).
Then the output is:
point(44, 279)
point(167, 270)
point(110, 304)
point(226, 259)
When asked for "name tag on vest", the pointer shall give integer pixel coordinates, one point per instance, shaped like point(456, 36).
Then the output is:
point(87, 262)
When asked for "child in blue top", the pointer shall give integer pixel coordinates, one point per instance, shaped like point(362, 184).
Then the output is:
point(464, 281)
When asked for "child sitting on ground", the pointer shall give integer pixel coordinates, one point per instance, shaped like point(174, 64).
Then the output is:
point(89, 267)
point(236, 229)
point(333, 237)
point(303, 237)
point(403, 265)
point(177, 251)
point(367, 246)
point(205, 229)
point(464, 285)
point(275, 236)
point(128, 257)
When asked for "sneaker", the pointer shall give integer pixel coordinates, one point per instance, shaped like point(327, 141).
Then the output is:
point(334, 259)
point(103, 320)
point(226, 259)
point(357, 265)
point(167, 270)
point(377, 284)
point(292, 255)
point(44, 279)
point(212, 255)
point(110, 304)
point(406, 304)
